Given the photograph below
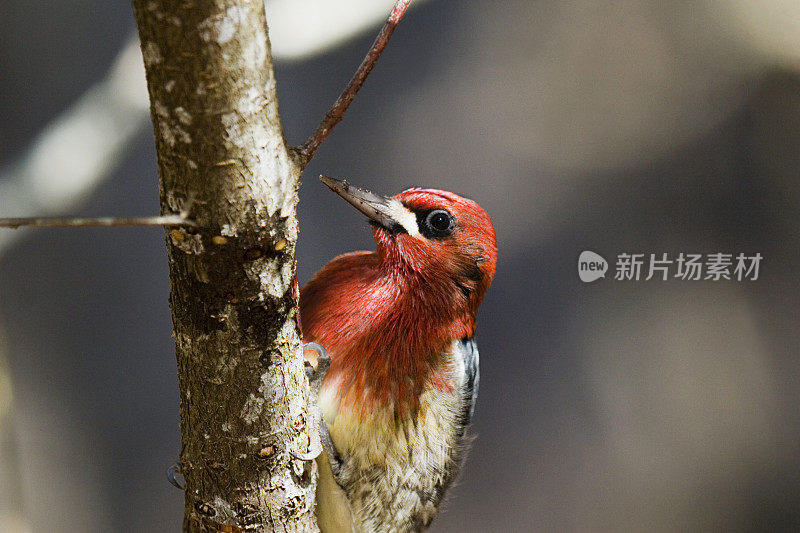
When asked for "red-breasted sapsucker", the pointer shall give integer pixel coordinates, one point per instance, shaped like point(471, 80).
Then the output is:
point(400, 389)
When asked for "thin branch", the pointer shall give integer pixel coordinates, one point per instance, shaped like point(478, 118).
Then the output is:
point(334, 115)
point(51, 222)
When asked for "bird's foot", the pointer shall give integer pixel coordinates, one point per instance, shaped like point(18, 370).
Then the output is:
point(172, 473)
point(316, 372)
point(315, 376)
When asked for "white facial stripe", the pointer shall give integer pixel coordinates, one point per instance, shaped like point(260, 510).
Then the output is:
point(404, 217)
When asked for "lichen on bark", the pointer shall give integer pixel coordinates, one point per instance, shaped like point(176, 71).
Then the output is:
point(222, 156)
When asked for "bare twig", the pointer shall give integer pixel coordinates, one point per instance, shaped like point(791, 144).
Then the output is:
point(306, 150)
point(52, 222)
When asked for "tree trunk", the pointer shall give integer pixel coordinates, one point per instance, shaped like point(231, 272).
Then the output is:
point(221, 155)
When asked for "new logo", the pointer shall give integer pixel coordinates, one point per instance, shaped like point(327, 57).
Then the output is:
point(591, 266)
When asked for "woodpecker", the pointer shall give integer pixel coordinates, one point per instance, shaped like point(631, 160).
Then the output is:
point(402, 378)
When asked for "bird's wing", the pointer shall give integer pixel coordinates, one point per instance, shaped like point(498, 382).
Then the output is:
point(467, 350)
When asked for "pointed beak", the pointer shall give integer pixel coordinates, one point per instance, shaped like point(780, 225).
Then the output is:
point(379, 209)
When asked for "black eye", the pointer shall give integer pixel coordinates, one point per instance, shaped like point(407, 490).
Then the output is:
point(439, 220)
point(438, 223)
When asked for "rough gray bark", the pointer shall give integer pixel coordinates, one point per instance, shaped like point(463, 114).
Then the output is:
point(222, 156)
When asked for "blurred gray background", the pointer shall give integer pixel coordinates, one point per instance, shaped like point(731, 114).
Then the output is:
point(614, 126)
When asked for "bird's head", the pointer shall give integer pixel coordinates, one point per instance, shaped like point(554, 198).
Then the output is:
point(430, 236)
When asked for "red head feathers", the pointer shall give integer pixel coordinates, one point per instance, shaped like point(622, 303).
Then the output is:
point(386, 316)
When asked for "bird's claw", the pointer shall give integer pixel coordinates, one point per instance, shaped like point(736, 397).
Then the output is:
point(310, 456)
point(171, 472)
point(327, 445)
point(315, 377)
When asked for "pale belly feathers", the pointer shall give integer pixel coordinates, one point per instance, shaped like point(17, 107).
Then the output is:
point(395, 470)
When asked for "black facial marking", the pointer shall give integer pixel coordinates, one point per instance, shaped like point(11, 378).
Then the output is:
point(435, 223)
point(393, 230)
